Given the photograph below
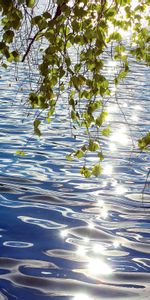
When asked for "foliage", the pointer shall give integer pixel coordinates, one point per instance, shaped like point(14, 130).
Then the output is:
point(88, 29)
point(144, 142)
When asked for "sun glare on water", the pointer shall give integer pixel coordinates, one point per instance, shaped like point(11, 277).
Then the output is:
point(98, 267)
point(81, 296)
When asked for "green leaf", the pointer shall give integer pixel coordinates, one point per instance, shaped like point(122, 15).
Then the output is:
point(106, 131)
point(47, 15)
point(37, 131)
point(2, 46)
point(101, 156)
point(116, 36)
point(97, 170)
point(4, 66)
point(69, 157)
point(15, 55)
point(67, 61)
point(73, 115)
point(101, 119)
point(20, 152)
point(61, 72)
point(84, 148)
point(36, 124)
point(8, 36)
point(86, 172)
point(93, 146)
point(144, 142)
point(30, 3)
point(48, 119)
point(79, 154)
point(110, 13)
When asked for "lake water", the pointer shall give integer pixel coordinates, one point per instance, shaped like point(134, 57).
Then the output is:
point(63, 236)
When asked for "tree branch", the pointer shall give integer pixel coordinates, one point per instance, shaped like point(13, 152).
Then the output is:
point(57, 14)
point(29, 46)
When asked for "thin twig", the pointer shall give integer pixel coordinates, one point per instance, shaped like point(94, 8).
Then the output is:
point(29, 46)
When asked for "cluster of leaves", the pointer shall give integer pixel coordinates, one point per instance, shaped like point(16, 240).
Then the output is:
point(89, 29)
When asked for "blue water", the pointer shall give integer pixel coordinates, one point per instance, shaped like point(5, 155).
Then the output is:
point(63, 236)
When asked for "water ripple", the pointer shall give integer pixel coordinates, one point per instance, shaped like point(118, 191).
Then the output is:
point(63, 236)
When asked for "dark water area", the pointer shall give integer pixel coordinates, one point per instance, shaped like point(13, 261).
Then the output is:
point(62, 236)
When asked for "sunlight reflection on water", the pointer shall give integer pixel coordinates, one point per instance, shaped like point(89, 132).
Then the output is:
point(97, 266)
point(81, 297)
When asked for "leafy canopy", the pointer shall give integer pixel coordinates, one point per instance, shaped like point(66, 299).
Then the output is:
point(73, 39)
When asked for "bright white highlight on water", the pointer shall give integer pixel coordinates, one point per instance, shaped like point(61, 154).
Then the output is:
point(124, 53)
point(64, 233)
point(100, 203)
point(137, 107)
point(107, 170)
point(112, 147)
point(91, 225)
point(98, 249)
point(97, 266)
point(120, 137)
point(125, 105)
point(120, 190)
point(114, 182)
point(109, 117)
point(135, 118)
point(104, 214)
point(112, 108)
point(112, 63)
point(116, 244)
point(86, 239)
point(81, 250)
point(81, 296)
point(114, 89)
point(123, 129)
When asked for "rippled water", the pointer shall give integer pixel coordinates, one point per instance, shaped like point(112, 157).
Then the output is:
point(63, 236)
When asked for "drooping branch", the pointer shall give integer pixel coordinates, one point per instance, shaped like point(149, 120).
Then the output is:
point(30, 45)
point(57, 14)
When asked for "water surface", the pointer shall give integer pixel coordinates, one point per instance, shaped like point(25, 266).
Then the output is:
point(63, 236)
